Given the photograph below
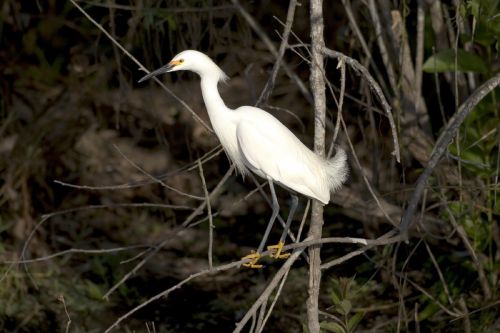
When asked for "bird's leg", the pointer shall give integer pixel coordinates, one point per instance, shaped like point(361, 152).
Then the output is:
point(279, 247)
point(255, 255)
point(276, 209)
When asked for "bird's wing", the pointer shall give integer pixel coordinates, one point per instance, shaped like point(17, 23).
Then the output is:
point(272, 151)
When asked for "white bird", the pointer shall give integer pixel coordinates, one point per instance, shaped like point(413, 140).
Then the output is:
point(256, 141)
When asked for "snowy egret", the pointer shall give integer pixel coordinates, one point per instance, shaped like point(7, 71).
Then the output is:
point(256, 141)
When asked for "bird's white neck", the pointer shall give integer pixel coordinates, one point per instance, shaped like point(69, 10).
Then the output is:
point(223, 121)
point(213, 101)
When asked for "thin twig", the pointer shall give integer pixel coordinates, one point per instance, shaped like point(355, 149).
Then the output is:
point(210, 219)
point(68, 324)
point(189, 167)
point(267, 292)
point(385, 239)
point(162, 183)
point(275, 299)
point(215, 192)
point(75, 250)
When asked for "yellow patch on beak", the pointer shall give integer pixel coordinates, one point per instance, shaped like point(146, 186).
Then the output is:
point(174, 63)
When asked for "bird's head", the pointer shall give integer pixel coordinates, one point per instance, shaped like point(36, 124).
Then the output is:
point(193, 61)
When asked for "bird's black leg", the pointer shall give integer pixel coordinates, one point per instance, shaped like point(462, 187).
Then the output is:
point(293, 207)
point(255, 256)
point(276, 249)
point(276, 209)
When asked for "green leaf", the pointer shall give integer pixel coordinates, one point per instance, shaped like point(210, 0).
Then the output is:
point(332, 327)
point(444, 61)
point(93, 290)
point(345, 306)
point(353, 322)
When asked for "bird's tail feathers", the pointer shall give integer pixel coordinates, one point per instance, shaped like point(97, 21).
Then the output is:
point(337, 169)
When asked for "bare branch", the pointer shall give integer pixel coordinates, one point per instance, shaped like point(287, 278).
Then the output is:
point(210, 219)
point(317, 83)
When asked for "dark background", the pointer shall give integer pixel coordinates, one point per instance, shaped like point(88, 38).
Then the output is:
point(72, 111)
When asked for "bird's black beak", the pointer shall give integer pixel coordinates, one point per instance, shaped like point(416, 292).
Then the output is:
point(165, 69)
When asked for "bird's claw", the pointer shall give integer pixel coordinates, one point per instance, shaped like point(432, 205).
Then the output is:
point(275, 251)
point(254, 257)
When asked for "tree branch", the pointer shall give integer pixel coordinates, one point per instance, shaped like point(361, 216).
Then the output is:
point(317, 83)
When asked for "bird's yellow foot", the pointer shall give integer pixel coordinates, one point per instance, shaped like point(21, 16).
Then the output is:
point(276, 251)
point(254, 256)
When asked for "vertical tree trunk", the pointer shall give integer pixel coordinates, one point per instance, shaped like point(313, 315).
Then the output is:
point(317, 83)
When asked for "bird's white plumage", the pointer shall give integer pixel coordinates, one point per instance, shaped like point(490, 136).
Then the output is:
point(256, 141)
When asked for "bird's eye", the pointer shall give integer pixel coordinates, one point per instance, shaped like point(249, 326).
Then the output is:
point(181, 61)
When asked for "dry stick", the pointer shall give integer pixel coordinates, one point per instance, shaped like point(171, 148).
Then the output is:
point(385, 239)
point(189, 167)
point(68, 324)
point(270, 287)
point(215, 192)
point(144, 172)
point(141, 67)
point(76, 250)
point(376, 89)
point(210, 219)
point(165, 11)
point(277, 64)
point(442, 144)
point(137, 256)
point(269, 44)
point(262, 313)
point(317, 84)
point(275, 299)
